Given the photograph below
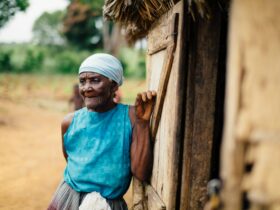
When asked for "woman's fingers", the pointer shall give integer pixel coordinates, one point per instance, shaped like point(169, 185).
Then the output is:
point(144, 104)
point(144, 96)
point(148, 95)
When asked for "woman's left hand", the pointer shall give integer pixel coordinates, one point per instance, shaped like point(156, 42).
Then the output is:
point(144, 105)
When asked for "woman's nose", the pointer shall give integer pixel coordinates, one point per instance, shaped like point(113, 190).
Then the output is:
point(87, 87)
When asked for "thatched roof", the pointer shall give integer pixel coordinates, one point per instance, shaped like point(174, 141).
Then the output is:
point(137, 16)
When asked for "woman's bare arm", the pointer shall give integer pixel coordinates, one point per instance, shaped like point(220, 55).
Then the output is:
point(141, 147)
point(64, 126)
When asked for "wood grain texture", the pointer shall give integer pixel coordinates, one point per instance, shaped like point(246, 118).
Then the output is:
point(162, 87)
point(139, 198)
point(250, 161)
point(154, 201)
point(166, 155)
point(201, 86)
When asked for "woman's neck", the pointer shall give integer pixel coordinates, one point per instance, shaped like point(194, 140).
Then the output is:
point(103, 108)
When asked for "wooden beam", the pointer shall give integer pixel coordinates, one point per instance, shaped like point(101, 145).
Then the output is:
point(164, 78)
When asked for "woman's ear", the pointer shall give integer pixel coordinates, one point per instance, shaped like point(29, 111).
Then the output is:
point(114, 86)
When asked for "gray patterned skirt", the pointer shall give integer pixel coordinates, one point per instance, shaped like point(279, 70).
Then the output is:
point(65, 198)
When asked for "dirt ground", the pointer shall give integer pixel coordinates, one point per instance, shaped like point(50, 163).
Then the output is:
point(31, 160)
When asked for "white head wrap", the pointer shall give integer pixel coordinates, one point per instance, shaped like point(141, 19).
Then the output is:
point(104, 64)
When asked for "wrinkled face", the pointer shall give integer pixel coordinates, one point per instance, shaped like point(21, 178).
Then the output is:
point(97, 91)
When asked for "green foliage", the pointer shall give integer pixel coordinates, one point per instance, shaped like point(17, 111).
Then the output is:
point(8, 8)
point(17, 59)
point(134, 64)
point(22, 4)
point(95, 5)
point(80, 28)
point(24, 58)
point(67, 62)
point(5, 61)
point(47, 29)
point(33, 60)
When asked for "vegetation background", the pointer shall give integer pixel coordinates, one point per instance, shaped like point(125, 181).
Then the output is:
point(36, 81)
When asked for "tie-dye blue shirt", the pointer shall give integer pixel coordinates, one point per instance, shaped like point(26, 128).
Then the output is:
point(98, 149)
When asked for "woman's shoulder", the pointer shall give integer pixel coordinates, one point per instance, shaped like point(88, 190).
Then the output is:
point(130, 110)
point(121, 106)
point(67, 120)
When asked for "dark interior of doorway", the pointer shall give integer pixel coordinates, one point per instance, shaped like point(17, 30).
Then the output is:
point(220, 96)
point(198, 35)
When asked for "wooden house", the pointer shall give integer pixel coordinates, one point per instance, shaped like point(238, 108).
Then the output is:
point(193, 58)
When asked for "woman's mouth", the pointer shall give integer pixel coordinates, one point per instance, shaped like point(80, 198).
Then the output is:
point(90, 96)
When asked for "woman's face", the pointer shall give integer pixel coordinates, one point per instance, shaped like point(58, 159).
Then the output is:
point(97, 91)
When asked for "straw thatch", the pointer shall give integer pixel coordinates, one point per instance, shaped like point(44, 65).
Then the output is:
point(137, 16)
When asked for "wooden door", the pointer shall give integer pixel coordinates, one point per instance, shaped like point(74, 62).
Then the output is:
point(163, 64)
point(185, 65)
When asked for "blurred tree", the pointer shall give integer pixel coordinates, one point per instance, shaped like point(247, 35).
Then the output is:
point(113, 39)
point(95, 5)
point(111, 32)
point(8, 8)
point(81, 25)
point(47, 29)
point(84, 26)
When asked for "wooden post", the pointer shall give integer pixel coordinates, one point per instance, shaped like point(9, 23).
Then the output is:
point(202, 66)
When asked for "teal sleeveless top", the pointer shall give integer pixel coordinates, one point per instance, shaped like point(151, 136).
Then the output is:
point(98, 149)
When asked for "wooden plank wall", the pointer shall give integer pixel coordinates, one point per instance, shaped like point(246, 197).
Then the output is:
point(184, 142)
point(203, 65)
point(251, 142)
point(166, 155)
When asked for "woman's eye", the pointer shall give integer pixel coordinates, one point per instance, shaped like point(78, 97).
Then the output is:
point(95, 80)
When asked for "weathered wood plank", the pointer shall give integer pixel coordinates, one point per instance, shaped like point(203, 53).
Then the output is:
point(139, 198)
point(164, 178)
point(250, 153)
point(164, 78)
point(154, 201)
point(200, 109)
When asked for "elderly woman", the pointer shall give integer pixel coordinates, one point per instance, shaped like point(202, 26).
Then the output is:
point(104, 143)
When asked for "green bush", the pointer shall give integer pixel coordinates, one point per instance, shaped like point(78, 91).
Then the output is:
point(69, 61)
point(134, 64)
point(27, 58)
point(33, 61)
point(141, 68)
point(5, 61)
